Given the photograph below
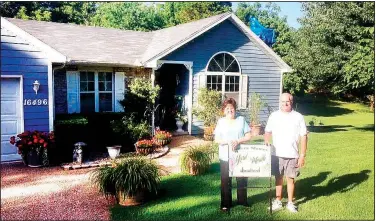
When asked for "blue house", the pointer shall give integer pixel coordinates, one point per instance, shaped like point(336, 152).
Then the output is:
point(53, 68)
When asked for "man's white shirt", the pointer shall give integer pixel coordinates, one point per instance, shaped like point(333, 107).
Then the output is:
point(286, 129)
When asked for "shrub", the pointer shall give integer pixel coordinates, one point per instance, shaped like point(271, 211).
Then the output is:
point(196, 159)
point(128, 128)
point(256, 103)
point(128, 176)
point(94, 129)
point(209, 106)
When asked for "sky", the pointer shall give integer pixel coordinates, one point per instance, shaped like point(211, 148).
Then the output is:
point(290, 9)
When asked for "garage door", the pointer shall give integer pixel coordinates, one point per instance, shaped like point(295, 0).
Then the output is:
point(10, 117)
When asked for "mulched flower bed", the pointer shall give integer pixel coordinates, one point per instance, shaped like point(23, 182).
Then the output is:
point(104, 159)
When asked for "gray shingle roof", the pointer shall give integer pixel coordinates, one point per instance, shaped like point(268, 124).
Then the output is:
point(87, 43)
point(167, 38)
point(107, 45)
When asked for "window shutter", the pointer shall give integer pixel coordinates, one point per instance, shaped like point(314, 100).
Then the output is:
point(73, 81)
point(119, 90)
point(244, 91)
point(201, 80)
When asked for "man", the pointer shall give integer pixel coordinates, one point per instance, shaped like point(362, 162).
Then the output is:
point(287, 127)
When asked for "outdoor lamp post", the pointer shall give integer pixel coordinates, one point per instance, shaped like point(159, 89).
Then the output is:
point(36, 85)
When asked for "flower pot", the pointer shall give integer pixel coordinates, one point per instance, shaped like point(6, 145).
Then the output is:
point(162, 142)
point(256, 130)
point(113, 151)
point(193, 169)
point(145, 150)
point(135, 200)
point(179, 124)
point(34, 159)
point(208, 133)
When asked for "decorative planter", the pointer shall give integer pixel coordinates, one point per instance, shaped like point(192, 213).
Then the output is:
point(162, 142)
point(208, 133)
point(179, 124)
point(256, 130)
point(145, 150)
point(34, 159)
point(193, 169)
point(114, 151)
point(135, 200)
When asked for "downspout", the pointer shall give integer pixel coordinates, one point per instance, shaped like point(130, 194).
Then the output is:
point(53, 83)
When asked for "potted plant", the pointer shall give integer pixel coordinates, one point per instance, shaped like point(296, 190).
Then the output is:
point(145, 146)
point(33, 147)
point(129, 180)
point(114, 151)
point(256, 103)
point(181, 119)
point(208, 109)
point(196, 160)
point(162, 137)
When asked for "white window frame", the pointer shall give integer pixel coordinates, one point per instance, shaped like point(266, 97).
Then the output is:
point(224, 74)
point(96, 89)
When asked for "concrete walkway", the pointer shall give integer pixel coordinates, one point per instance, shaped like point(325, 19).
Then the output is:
point(170, 162)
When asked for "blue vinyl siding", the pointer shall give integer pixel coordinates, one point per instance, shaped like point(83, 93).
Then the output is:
point(263, 73)
point(19, 57)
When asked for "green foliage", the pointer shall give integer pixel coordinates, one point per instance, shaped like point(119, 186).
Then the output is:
point(65, 12)
point(209, 106)
point(130, 175)
point(128, 15)
point(335, 51)
point(200, 156)
point(256, 103)
point(143, 88)
point(129, 128)
point(175, 13)
point(139, 99)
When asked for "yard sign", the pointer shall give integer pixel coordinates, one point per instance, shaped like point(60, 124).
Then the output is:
point(250, 161)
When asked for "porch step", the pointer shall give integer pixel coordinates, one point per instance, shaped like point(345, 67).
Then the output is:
point(179, 133)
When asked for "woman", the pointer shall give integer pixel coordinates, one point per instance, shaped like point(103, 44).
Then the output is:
point(231, 131)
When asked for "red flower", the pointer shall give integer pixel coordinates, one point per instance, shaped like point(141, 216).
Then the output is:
point(45, 145)
point(12, 140)
point(35, 140)
point(35, 136)
point(41, 141)
point(30, 143)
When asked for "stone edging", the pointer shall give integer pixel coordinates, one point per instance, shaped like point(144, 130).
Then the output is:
point(165, 150)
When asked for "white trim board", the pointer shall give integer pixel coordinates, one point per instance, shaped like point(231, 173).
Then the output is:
point(189, 66)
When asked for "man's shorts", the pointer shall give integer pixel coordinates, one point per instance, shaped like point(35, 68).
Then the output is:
point(285, 166)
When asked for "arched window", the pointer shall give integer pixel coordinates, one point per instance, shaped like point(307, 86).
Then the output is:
point(223, 74)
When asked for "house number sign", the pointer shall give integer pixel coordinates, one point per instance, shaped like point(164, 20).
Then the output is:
point(35, 102)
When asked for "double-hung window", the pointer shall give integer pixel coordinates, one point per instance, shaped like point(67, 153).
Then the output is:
point(223, 74)
point(96, 94)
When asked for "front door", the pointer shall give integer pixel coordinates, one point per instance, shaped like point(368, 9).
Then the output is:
point(10, 117)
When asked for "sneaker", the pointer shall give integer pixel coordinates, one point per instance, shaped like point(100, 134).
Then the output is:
point(291, 207)
point(276, 205)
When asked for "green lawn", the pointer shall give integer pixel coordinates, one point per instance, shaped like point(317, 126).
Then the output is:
point(336, 183)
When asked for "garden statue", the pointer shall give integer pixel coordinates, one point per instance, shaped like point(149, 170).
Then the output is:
point(78, 152)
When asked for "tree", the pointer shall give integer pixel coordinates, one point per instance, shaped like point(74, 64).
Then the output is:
point(285, 38)
point(175, 13)
point(128, 16)
point(64, 12)
point(335, 47)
